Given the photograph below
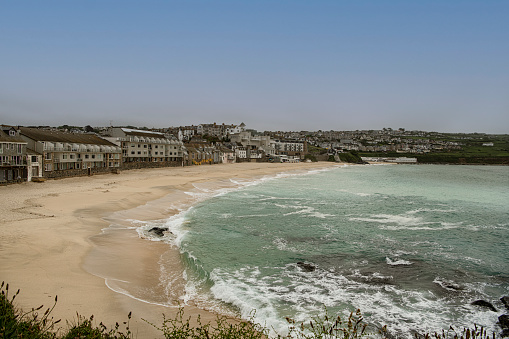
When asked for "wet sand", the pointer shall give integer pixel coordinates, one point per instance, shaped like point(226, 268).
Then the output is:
point(56, 239)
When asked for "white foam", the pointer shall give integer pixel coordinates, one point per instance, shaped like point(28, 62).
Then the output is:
point(282, 245)
point(401, 220)
point(397, 262)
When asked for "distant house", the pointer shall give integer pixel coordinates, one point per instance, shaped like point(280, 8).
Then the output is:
point(13, 166)
point(240, 153)
point(290, 147)
point(227, 155)
point(67, 154)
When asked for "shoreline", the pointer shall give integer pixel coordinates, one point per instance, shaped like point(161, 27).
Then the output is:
point(49, 231)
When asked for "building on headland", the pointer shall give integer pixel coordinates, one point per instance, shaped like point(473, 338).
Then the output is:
point(142, 148)
point(399, 160)
point(13, 150)
point(220, 131)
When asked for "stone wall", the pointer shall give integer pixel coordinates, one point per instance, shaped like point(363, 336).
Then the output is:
point(105, 170)
point(138, 165)
point(76, 173)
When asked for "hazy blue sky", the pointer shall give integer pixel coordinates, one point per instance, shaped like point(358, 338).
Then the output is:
point(276, 65)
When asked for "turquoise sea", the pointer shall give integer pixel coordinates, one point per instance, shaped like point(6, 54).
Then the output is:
point(411, 246)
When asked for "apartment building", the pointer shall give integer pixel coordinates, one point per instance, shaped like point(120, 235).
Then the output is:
point(145, 148)
point(68, 154)
point(290, 147)
point(13, 166)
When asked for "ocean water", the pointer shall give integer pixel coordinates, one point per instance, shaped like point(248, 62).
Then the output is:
point(410, 246)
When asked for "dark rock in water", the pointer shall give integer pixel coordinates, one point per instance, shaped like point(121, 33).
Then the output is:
point(505, 301)
point(451, 286)
point(159, 231)
point(505, 333)
point(504, 321)
point(484, 303)
point(306, 267)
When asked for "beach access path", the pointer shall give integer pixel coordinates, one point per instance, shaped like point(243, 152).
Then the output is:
point(45, 231)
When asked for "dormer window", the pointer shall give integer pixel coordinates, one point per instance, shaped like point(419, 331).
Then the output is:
point(12, 133)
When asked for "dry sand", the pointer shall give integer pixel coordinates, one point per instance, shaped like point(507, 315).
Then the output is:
point(51, 239)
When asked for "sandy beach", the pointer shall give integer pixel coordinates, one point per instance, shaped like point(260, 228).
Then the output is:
point(52, 243)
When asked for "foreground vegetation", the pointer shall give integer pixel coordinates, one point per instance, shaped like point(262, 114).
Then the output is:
point(15, 323)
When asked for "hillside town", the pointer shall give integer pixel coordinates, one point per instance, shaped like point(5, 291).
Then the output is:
point(38, 153)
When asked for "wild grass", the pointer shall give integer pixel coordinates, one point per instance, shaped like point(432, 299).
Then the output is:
point(180, 327)
point(15, 323)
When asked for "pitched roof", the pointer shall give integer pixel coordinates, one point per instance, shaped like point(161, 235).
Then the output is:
point(141, 133)
point(57, 136)
point(7, 138)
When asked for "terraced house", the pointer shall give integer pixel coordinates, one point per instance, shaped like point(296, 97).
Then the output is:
point(145, 148)
point(68, 154)
point(13, 166)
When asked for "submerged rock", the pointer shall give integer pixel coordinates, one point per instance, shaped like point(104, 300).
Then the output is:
point(306, 267)
point(159, 231)
point(505, 301)
point(503, 320)
point(484, 303)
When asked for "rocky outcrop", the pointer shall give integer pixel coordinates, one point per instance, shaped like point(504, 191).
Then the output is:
point(159, 231)
point(505, 301)
point(306, 267)
point(503, 320)
point(484, 303)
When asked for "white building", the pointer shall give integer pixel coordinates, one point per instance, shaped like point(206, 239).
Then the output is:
point(146, 146)
point(68, 154)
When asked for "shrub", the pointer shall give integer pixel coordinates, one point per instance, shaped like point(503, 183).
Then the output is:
point(180, 328)
point(14, 323)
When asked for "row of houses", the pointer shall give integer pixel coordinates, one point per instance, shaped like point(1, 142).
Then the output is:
point(28, 154)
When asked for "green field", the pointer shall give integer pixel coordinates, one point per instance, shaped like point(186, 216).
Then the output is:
point(472, 150)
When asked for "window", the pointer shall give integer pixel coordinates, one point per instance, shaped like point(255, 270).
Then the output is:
point(145, 146)
point(48, 167)
point(34, 158)
point(47, 156)
point(1, 148)
point(93, 156)
point(12, 133)
point(133, 152)
point(86, 156)
point(64, 156)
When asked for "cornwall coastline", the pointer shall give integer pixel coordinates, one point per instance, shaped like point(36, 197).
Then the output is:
point(396, 242)
point(53, 234)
